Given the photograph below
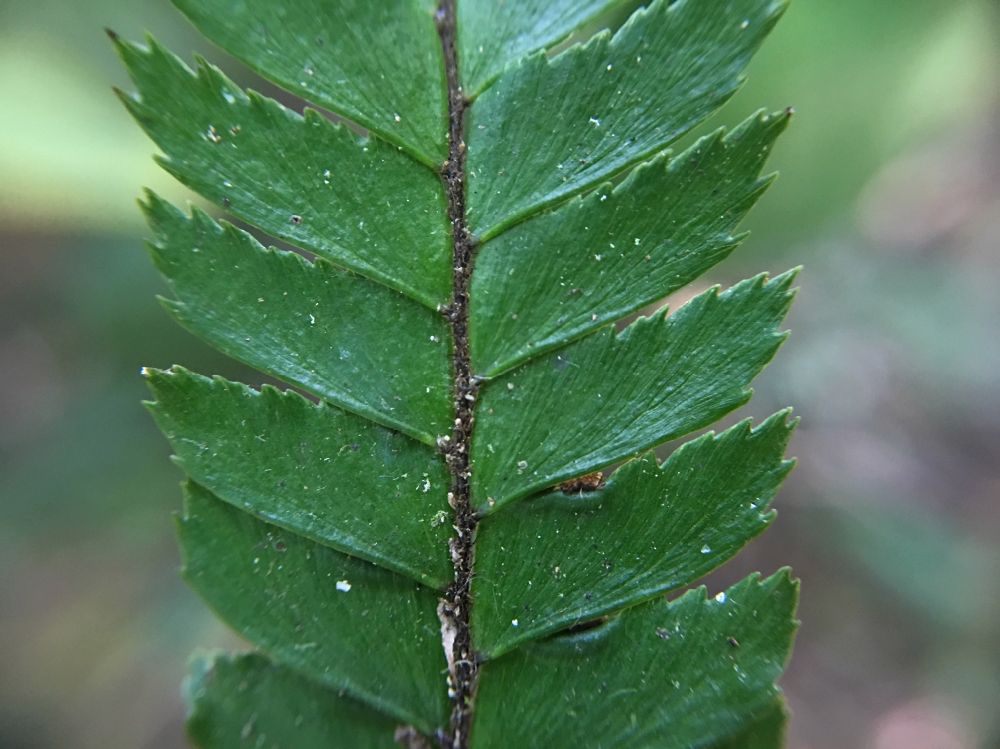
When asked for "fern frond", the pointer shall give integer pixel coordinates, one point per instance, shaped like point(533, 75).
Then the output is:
point(427, 552)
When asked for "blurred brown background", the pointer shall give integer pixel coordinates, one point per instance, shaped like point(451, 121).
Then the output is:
point(890, 196)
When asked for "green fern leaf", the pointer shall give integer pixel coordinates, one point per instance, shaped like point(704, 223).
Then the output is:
point(246, 700)
point(377, 63)
point(596, 109)
point(323, 613)
point(247, 301)
point(649, 530)
point(667, 223)
point(663, 377)
point(359, 203)
point(304, 467)
point(767, 732)
point(669, 675)
point(423, 554)
point(493, 35)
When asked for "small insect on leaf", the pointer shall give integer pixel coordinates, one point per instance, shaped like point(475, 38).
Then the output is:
point(589, 483)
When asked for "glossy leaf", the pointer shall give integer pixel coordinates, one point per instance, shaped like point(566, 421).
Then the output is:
point(322, 613)
point(313, 470)
point(597, 259)
point(670, 675)
point(548, 129)
point(610, 396)
point(357, 202)
point(347, 340)
point(377, 63)
point(561, 560)
point(238, 701)
point(492, 34)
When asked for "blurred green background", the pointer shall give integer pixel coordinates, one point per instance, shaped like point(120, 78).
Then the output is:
point(890, 196)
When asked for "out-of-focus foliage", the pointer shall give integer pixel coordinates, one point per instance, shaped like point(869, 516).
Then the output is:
point(890, 193)
point(68, 162)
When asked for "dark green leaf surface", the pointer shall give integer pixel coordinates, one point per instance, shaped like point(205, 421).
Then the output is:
point(547, 130)
point(670, 675)
point(348, 340)
point(377, 63)
point(611, 396)
point(599, 258)
point(492, 35)
point(767, 732)
point(239, 701)
point(359, 203)
point(329, 534)
point(325, 614)
point(560, 560)
point(315, 470)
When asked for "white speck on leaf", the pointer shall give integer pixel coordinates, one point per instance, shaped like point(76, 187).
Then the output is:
point(343, 586)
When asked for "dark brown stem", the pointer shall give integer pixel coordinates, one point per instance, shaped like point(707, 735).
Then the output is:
point(463, 666)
